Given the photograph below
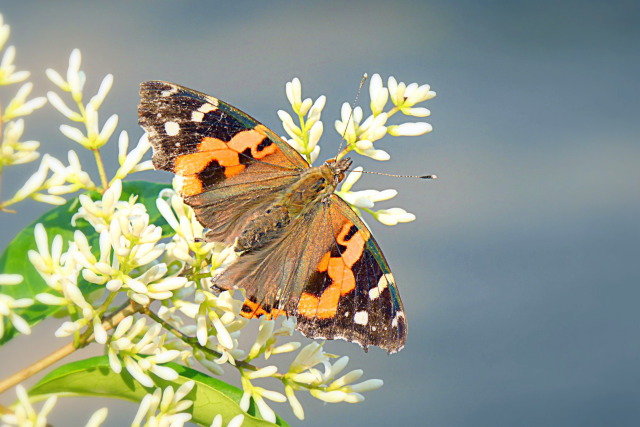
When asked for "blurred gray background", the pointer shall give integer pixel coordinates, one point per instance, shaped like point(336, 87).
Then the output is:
point(519, 277)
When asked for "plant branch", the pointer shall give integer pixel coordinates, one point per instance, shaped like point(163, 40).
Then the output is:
point(101, 171)
point(193, 341)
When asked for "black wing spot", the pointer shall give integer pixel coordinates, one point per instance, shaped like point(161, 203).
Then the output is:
point(264, 144)
point(212, 174)
point(352, 232)
point(246, 157)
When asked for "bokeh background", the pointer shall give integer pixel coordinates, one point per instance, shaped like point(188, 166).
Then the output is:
point(520, 276)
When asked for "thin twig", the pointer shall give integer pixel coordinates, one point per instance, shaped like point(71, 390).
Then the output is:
point(192, 341)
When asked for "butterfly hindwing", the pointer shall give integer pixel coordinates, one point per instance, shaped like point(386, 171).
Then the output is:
point(328, 271)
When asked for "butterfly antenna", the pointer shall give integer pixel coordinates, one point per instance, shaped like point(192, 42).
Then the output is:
point(353, 106)
point(402, 176)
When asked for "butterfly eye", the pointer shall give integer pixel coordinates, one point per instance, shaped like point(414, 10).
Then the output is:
point(340, 176)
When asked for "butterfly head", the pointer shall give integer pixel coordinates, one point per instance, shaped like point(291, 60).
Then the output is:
point(339, 167)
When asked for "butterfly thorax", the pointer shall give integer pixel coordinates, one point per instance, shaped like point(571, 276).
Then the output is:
point(314, 185)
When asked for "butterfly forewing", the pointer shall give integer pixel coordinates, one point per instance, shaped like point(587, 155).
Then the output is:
point(229, 165)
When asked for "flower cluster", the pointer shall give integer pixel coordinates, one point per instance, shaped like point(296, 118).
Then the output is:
point(305, 136)
point(24, 414)
point(165, 407)
point(93, 137)
point(13, 149)
point(131, 341)
point(360, 135)
point(53, 179)
point(302, 374)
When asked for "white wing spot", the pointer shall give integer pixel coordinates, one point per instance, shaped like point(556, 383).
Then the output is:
point(398, 315)
point(169, 92)
point(361, 318)
point(172, 128)
point(382, 285)
point(205, 108)
point(346, 314)
point(373, 328)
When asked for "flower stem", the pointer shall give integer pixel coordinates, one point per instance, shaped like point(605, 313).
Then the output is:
point(193, 341)
point(101, 171)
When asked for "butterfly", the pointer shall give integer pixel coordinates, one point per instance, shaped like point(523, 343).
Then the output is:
point(302, 251)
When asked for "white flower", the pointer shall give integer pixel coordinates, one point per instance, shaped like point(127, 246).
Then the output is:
point(24, 414)
point(98, 417)
point(10, 279)
point(220, 317)
point(14, 152)
point(258, 394)
point(305, 136)
point(5, 30)
point(105, 87)
point(393, 216)
point(360, 137)
point(19, 106)
point(88, 314)
point(311, 355)
point(8, 304)
point(324, 385)
point(60, 105)
point(189, 244)
point(50, 264)
point(378, 94)
point(410, 129)
point(123, 346)
point(94, 137)
point(131, 162)
point(293, 90)
point(101, 212)
point(165, 407)
point(73, 175)
point(8, 74)
point(75, 77)
point(38, 182)
point(405, 97)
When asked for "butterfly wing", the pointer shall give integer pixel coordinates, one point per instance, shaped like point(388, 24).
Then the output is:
point(229, 165)
point(329, 272)
point(351, 294)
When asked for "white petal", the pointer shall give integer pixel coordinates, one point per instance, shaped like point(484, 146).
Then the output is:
point(10, 279)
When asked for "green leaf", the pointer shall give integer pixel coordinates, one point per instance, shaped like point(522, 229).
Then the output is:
point(14, 259)
point(94, 377)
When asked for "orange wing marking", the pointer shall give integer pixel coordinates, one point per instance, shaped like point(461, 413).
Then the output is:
point(256, 310)
point(226, 154)
point(340, 271)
